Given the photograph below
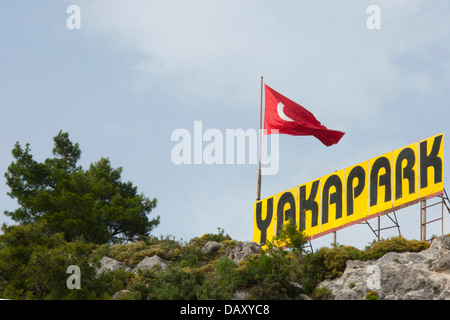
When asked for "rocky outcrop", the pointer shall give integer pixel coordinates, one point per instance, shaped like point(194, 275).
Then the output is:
point(398, 276)
point(242, 251)
point(211, 247)
point(150, 262)
point(109, 264)
point(238, 253)
point(119, 295)
point(421, 275)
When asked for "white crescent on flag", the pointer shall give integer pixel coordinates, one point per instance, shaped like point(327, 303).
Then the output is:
point(281, 113)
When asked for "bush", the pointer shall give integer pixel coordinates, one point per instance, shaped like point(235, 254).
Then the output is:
point(226, 280)
point(178, 284)
point(372, 295)
point(191, 255)
point(219, 237)
point(395, 244)
point(268, 274)
point(332, 261)
point(290, 237)
point(139, 291)
point(322, 293)
point(33, 265)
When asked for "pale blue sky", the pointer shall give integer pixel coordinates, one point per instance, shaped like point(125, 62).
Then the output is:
point(138, 70)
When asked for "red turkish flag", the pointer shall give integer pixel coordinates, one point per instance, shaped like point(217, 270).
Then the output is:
point(291, 118)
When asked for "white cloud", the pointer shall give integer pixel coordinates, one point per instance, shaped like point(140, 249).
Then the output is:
point(322, 55)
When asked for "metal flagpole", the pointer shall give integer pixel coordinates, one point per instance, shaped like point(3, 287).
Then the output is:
point(258, 183)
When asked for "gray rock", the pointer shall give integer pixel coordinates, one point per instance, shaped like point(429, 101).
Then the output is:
point(441, 264)
point(296, 286)
point(299, 290)
point(211, 247)
point(242, 251)
point(109, 264)
point(149, 262)
point(119, 295)
point(398, 276)
point(241, 295)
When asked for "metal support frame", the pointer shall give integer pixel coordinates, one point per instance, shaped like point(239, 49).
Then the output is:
point(445, 198)
point(310, 246)
point(443, 201)
point(377, 231)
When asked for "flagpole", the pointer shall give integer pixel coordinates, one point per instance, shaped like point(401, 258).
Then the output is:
point(258, 182)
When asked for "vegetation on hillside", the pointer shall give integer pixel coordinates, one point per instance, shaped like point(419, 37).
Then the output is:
point(33, 265)
point(69, 216)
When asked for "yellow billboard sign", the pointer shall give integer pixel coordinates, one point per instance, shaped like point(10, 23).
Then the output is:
point(369, 189)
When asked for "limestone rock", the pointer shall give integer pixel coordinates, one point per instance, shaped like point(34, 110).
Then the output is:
point(109, 264)
point(242, 251)
point(398, 276)
point(211, 247)
point(120, 294)
point(241, 295)
point(150, 262)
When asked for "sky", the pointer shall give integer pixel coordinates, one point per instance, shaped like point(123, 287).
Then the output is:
point(132, 72)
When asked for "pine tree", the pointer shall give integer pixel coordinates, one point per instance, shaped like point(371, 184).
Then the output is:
point(94, 204)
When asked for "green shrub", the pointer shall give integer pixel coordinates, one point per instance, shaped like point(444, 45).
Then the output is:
point(125, 252)
point(291, 237)
point(219, 237)
point(332, 261)
point(268, 275)
point(322, 293)
point(310, 272)
point(191, 255)
point(150, 252)
point(395, 244)
point(177, 284)
point(372, 295)
point(139, 291)
point(33, 265)
point(225, 269)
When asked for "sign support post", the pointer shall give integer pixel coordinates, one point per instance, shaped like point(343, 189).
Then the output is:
point(423, 219)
